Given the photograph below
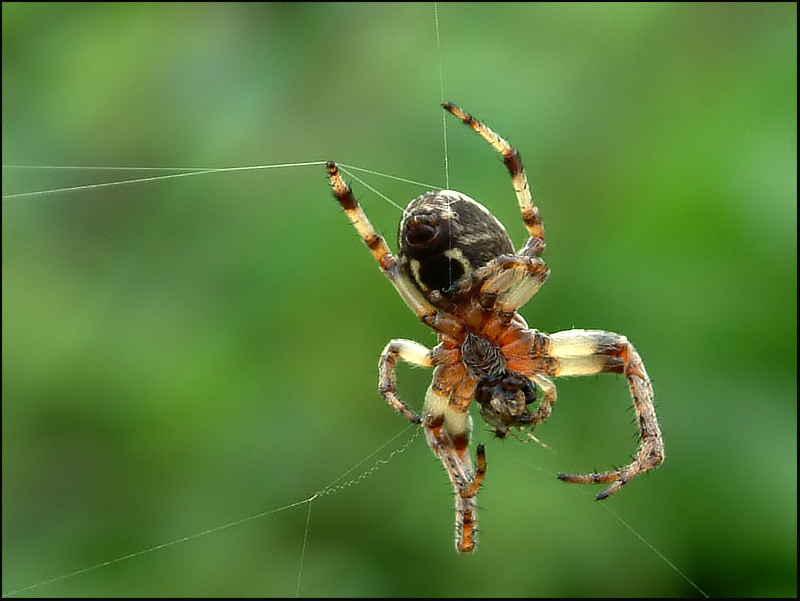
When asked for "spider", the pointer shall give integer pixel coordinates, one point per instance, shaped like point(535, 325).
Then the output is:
point(458, 272)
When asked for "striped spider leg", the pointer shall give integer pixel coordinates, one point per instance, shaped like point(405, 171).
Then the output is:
point(457, 270)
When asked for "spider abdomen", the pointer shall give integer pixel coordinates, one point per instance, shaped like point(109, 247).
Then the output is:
point(445, 236)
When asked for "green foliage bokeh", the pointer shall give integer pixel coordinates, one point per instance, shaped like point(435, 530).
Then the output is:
point(185, 353)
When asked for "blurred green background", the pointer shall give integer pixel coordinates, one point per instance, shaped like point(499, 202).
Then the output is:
point(182, 354)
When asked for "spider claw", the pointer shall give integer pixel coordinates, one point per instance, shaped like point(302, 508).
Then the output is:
point(539, 442)
point(601, 496)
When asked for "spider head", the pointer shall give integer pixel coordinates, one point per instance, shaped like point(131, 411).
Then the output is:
point(445, 236)
point(504, 402)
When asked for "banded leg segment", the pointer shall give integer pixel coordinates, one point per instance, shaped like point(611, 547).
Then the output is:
point(378, 247)
point(446, 430)
point(530, 213)
point(513, 281)
point(588, 352)
point(448, 433)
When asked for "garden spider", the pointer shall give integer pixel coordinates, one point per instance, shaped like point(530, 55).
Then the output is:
point(457, 270)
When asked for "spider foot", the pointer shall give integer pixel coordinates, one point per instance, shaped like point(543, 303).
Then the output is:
point(650, 455)
point(466, 525)
point(470, 490)
point(618, 478)
point(531, 436)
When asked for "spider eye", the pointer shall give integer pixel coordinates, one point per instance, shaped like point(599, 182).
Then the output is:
point(423, 231)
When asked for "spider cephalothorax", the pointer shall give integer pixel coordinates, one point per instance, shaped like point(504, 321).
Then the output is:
point(504, 402)
point(457, 270)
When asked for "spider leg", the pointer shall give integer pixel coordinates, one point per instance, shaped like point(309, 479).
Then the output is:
point(530, 214)
point(548, 399)
point(507, 282)
point(378, 247)
point(588, 352)
point(410, 352)
point(448, 432)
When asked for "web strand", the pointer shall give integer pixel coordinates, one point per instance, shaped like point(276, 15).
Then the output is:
point(444, 127)
point(189, 172)
point(633, 531)
point(303, 550)
point(158, 547)
point(184, 172)
point(441, 95)
point(330, 489)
